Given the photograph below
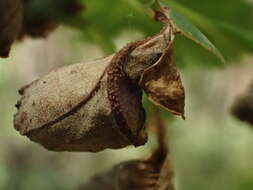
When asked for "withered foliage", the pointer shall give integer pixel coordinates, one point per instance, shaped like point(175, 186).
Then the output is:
point(243, 106)
point(34, 18)
point(163, 85)
point(97, 105)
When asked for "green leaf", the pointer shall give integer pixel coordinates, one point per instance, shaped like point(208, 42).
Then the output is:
point(229, 32)
point(234, 12)
point(193, 33)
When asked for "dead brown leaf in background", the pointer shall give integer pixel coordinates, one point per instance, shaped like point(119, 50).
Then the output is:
point(41, 24)
point(154, 173)
point(243, 106)
point(11, 15)
point(18, 18)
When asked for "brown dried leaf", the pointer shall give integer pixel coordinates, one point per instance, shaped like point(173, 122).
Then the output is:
point(68, 110)
point(83, 107)
point(11, 13)
point(148, 53)
point(163, 85)
point(91, 106)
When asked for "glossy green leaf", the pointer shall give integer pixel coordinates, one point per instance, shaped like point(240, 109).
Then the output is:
point(229, 33)
point(184, 27)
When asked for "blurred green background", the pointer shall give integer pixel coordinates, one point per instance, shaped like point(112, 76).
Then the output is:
point(210, 149)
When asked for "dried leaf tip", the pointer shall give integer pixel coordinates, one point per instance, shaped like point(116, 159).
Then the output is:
point(163, 85)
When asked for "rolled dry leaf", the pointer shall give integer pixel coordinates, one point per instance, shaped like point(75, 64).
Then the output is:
point(91, 106)
point(69, 109)
point(163, 85)
point(11, 15)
